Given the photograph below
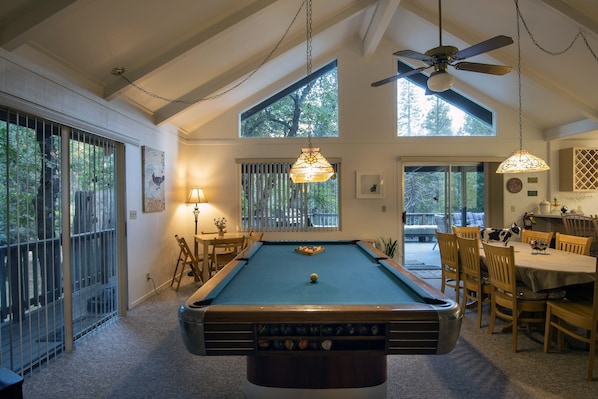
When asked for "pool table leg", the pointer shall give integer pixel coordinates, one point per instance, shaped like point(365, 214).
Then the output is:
point(327, 372)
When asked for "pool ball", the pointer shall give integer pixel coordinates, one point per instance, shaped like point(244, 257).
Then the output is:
point(313, 277)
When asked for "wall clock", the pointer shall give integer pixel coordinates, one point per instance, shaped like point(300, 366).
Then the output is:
point(514, 185)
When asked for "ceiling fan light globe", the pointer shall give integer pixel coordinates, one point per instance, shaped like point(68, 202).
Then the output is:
point(440, 81)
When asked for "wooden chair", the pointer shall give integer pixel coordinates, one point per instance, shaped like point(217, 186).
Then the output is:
point(467, 231)
point(186, 257)
point(575, 318)
point(442, 225)
point(578, 225)
point(223, 251)
point(543, 236)
point(508, 300)
point(449, 262)
point(575, 244)
point(476, 286)
point(595, 222)
point(254, 236)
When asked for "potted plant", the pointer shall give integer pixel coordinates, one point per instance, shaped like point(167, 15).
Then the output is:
point(388, 246)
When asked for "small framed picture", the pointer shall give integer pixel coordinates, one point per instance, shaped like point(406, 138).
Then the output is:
point(532, 179)
point(369, 184)
point(533, 193)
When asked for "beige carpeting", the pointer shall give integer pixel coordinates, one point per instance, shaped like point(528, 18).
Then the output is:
point(142, 356)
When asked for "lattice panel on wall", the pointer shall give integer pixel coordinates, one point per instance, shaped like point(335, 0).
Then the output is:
point(578, 169)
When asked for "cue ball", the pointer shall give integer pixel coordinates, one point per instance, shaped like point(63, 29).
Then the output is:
point(313, 277)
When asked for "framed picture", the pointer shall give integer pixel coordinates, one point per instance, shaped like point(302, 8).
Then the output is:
point(369, 184)
point(153, 179)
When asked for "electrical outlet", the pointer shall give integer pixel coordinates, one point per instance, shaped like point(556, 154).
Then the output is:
point(147, 276)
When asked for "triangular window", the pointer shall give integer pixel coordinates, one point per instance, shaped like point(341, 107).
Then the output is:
point(438, 114)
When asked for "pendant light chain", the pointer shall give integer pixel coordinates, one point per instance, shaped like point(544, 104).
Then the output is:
point(311, 166)
point(522, 161)
point(580, 33)
point(519, 77)
point(120, 71)
point(308, 21)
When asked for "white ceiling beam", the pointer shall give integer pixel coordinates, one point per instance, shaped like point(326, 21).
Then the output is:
point(385, 10)
point(117, 84)
point(227, 78)
point(574, 14)
point(19, 29)
point(571, 129)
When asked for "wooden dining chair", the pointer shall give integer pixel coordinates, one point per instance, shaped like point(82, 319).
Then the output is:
point(509, 301)
point(467, 231)
point(578, 225)
point(575, 244)
point(577, 319)
point(449, 262)
point(543, 236)
point(476, 286)
point(252, 238)
point(223, 251)
point(186, 258)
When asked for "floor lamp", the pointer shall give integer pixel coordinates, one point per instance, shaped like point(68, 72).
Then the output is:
point(196, 196)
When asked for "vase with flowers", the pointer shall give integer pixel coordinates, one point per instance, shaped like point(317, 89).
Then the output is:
point(221, 225)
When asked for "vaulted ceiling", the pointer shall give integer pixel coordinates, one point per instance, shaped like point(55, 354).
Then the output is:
point(188, 61)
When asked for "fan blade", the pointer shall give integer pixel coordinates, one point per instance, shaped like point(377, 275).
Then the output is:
point(483, 68)
point(397, 77)
point(414, 55)
point(483, 47)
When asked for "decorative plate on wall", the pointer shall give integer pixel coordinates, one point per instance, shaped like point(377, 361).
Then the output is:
point(514, 185)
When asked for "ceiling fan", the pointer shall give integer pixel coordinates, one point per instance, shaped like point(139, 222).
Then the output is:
point(442, 56)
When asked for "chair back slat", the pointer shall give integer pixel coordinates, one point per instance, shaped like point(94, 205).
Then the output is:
point(543, 236)
point(475, 286)
point(467, 231)
point(575, 244)
point(449, 262)
point(578, 225)
point(469, 251)
point(501, 267)
point(449, 250)
point(225, 250)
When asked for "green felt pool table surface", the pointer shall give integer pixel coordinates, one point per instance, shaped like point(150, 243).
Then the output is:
point(347, 274)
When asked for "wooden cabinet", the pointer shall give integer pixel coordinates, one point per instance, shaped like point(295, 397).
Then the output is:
point(578, 169)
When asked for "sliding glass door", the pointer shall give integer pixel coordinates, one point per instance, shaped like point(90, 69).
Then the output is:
point(437, 196)
point(58, 237)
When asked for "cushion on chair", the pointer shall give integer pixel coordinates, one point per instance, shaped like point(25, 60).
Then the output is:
point(556, 293)
point(526, 294)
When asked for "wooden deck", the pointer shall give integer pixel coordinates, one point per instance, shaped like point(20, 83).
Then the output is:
point(39, 334)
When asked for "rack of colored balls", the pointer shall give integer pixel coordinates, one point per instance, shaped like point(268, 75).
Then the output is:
point(307, 250)
point(312, 337)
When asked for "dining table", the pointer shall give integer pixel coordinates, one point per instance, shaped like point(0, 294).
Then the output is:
point(206, 240)
point(550, 268)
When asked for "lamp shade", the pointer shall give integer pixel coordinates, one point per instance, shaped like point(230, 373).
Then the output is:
point(440, 81)
point(522, 162)
point(311, 167)
point(196, 196)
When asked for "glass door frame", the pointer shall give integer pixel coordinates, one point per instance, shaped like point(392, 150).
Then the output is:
point(447, 207)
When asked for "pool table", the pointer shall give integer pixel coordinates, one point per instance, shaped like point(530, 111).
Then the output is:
point(324, 336)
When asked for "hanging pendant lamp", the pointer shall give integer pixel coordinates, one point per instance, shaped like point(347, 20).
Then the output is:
point(522, 161)
point(311, 166)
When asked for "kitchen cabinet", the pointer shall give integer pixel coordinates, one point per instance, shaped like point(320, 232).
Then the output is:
point(578, 169)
